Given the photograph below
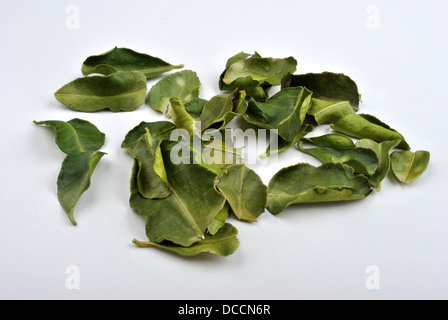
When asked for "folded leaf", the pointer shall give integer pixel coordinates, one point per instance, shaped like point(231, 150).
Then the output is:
point(184, 216)
point(74, 178)
point(184, 85)
point(219, 221)
point(151, 176)
point(255, 74)
point(122, 60)
point(368, 127)
point(122, 91)
point(408, 166)
point(222, 109)
point(285, 111)
point(76, 135)
point(362, 160)
point(183, 119)
point(304, 183)
point(328, 112)
point(159, 130)
point(382, 151)
point(223, 243)
point(244, 191)
point(326, 86)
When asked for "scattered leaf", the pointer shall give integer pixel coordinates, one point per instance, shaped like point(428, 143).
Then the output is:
point(123, 60)
point(304, 183)
point(408, 166)
point(122, 91)
point(76, 135)
point(74, 178)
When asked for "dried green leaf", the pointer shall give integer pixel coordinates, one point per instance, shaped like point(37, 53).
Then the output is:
point(76, 135)
point(184, 216)
point(255, 74)
point(159, 130)
point(304, 183)
point(328, 112)
point(74, 178)
point(151, 176)
point(122, 91)
point(244, 191)
point(184, 84)
point(362, 160)
point(368, 127)
point(123, 60)
point(408, 166)
point(285, 111)
point(283, 145)
point(333, 140)
point(219, 221)
point(326, 86)
point(223, 243)
point(382, 150)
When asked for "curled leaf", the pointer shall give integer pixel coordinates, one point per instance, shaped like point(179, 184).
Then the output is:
point(285, 111)
point(328, 112)
point(122, 91)
point(74, 178)
point(382, 151)
point(408, 166)
point(255, 74)
point(151, 176)
point(123, 60)
point(184, 85)
point(333, 140)
point(368, 127)
point(159, 130)
point(223, 243)
point(304, 183)
point(244, 191)
point(362, 160)
point(327, 86)
point(184, 216)
point(76, 135)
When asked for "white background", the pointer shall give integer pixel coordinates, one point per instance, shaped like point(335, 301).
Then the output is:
point(307, 252)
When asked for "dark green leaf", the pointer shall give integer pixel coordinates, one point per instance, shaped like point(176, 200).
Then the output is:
point(74, 178)
point(326, 86)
